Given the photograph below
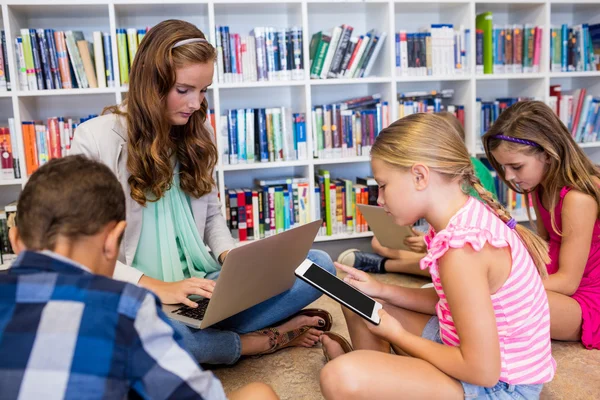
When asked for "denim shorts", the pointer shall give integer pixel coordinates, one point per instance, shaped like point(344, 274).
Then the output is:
point(501, 391)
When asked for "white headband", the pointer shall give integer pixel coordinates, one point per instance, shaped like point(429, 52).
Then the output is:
point(188, 41)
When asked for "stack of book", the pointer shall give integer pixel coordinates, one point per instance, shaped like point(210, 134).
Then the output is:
point(274, 206)
point(505, 49)
point(430, 102)
point(578, 110)
point(267, 54)
point(575, 48)
point(9, 152)
point(251, 135)
point(48, 59)
point(52, 140)
point(439, 50)
point(336, 54)
point(128, 41)
point(487, 112)
point(348, 128)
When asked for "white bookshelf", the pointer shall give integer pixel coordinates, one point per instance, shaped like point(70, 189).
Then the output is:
point(300, 95)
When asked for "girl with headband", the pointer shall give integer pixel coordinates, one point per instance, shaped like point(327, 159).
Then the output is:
point(534, 152)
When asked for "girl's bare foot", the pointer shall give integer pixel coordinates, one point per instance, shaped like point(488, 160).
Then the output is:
point(255, 343)
point(333, 348)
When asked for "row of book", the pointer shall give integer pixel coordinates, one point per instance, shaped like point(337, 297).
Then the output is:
point(487, 112)
point(348, 128)
point(267, 54)
point(575, 48)
point(263, 135)
point(275, 205)
point(41, 142)
point(440, 50)
point(429, 101)
point(336, 54)
point(49, 59)
point(5, 84)
point(506, 48)
point(578, 110)
point(128, 41)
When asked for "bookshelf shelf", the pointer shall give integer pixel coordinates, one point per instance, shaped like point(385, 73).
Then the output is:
point(349, 81)
point(430, 78)
point(267, 165)
point(64, 92)
point(343, 236)
point(11, 182)
point(584, 74)
point(492, 77)
point(267, 84)
point(297, 96)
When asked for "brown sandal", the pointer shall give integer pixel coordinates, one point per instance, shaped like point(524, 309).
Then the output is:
point(346, 346)
point(277, 340)
point(314, 312)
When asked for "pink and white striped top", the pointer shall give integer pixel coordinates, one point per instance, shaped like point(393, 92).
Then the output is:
point(520, 305)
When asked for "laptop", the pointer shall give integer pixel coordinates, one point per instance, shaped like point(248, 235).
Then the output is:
point(251, 274)
point(384, 228)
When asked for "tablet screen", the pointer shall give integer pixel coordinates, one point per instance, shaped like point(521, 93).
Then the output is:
point(340, 289)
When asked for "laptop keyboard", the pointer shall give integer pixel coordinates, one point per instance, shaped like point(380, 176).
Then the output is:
point(194, 313)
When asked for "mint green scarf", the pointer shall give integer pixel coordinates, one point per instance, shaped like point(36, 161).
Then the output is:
point(170, 248)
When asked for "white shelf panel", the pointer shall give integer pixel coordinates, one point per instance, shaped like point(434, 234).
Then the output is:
point(589, 145)
point(6, 94)
point(492, 77)
point(432, 78)
point(64, 92)
point(11, 182)
point(343, 236)
point(244, 85)
point(343, 160)
point(582, 74)
point(267, 165)
point(349, 81)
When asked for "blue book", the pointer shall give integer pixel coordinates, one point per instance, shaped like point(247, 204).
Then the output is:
point(287, 221)
point(261, 131)
point(108, 63)
point(397, 50)
point(564, 47)
point(232, 53)
point(53, 58)
point(232, 130)
point(37, 62)
point(241, 135)
point(45, 58)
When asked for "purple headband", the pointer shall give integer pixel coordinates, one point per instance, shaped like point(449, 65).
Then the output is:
point(515, 140)
point(511, 223)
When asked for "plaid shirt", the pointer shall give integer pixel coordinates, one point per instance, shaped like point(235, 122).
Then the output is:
point(66, 333)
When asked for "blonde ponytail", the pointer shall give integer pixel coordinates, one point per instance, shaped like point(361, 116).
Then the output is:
point(537, 248)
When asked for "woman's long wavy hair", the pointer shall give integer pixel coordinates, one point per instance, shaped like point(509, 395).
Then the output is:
point(568, 165)
point(436, 142)
point(152, 140)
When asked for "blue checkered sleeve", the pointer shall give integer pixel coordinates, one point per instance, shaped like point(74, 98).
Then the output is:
point(159, 367)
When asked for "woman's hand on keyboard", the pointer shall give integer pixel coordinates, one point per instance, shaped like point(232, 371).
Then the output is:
point(178, 292)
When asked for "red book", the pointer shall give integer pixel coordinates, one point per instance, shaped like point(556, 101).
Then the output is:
point(578, 111)
point(556, 91)
point(242, 220)
point(55, 150)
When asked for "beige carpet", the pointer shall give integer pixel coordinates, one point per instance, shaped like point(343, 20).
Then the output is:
point(294, 373)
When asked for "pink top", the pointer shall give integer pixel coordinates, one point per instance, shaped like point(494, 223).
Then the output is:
point(520, 305)
point(588, 293)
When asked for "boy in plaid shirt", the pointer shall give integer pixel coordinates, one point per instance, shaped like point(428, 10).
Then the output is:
point(67, 330)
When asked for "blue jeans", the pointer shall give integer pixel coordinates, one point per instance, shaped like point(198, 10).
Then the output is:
point(501, 391)
point(221, 345)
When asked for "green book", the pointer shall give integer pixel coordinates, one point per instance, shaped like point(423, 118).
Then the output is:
point(556, 49)
point(314, 44)
point(277, 135)
point(279, 210)
point(123, 57)
point(317, 63)
point(484, 23)
point(28, 55)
